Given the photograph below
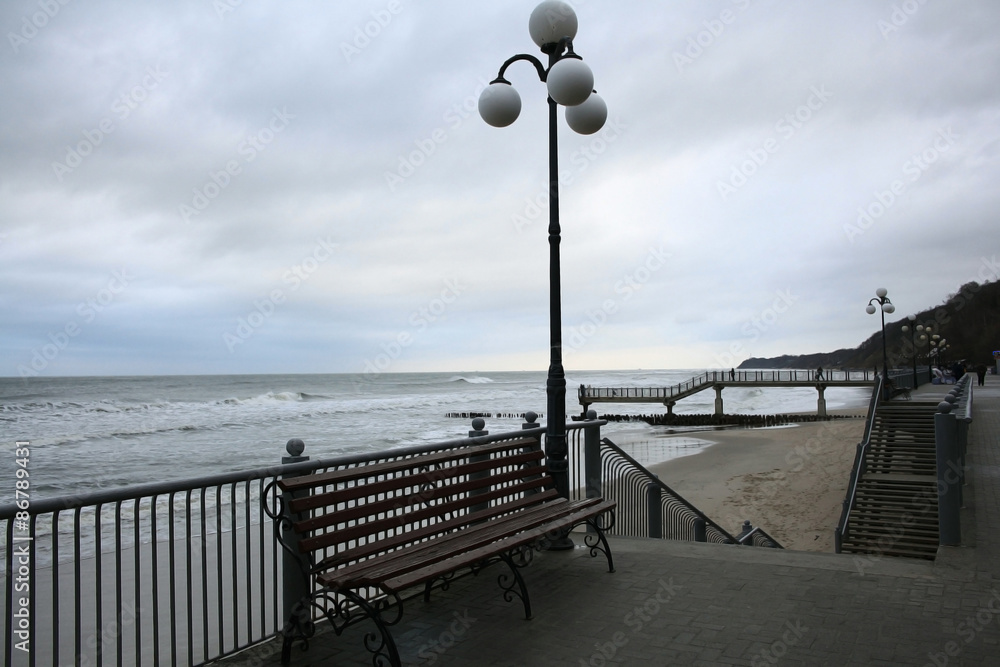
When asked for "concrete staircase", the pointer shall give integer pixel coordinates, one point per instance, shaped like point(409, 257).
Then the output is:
point(895, 508)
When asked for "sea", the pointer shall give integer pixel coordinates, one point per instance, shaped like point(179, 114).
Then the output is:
point(96, 433)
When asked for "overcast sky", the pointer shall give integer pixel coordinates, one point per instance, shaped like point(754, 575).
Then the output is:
point(227, 186)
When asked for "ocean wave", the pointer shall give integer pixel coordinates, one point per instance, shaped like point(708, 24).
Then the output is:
point(269, 397)
point(472, 380)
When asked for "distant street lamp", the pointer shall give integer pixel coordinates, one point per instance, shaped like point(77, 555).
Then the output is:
point(885, 307)
point(913, 330)
point(570, 82)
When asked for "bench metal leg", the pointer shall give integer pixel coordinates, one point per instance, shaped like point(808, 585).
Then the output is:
point(597, 542)
point(507, 583)
point(381, 645)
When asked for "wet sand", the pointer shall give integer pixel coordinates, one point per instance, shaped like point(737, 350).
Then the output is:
point(790, 481)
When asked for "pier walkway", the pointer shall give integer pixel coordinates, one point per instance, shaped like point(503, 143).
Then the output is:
point(719, 380)
point(707, 604)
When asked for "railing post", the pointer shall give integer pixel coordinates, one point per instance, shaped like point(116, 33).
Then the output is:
point(654, 508)
point(592, 457)
point(529, 422)
point(949, 478)
point(478, 430)
point(700, 534)
point(295, 582)
point(821, 401)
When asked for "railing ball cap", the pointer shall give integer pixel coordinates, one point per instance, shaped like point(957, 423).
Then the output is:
point(591, 414)
point(530, 417)
point(951, 398)
point(295, 447)
point(478, 424)
point(944, 407)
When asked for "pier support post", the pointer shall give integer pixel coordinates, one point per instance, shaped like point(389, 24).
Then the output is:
point(295, 586)
point(670, 407)
point(949, 476)
point(821, 401)
point(718, 401)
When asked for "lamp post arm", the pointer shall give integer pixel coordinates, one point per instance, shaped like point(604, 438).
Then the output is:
point(542, 73)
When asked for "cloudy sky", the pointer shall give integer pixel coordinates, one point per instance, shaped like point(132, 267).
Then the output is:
point(243, 186)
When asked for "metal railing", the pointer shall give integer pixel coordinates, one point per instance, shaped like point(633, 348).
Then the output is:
point(647, 507)
point(173, 573)
point(186, 572)
point(858, 469)
point(712, 377)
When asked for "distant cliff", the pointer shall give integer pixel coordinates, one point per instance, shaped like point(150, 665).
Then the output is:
point(969, 320)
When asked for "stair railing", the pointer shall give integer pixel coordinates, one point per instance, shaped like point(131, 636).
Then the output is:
point(843, 526)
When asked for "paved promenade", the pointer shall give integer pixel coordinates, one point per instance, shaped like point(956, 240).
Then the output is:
point(678, 603)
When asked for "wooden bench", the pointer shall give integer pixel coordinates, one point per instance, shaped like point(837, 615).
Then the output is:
point(368, 533)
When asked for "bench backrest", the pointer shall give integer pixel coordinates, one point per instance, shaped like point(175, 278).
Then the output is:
point(348, 515)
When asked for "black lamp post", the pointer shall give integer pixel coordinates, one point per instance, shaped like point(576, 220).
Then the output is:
point(570, 82)
point(885, 306)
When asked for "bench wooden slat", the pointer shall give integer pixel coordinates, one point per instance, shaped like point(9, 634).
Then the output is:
point(429, 477)
point(388, 467)
point(425, 532)
point(323, 539)
point(470, 538)
point(424, 549)
point(470, 557)
point(384, 524)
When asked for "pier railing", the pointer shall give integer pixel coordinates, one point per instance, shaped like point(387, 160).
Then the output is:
point(189, 571)
point(173, 573)
point(713, 377)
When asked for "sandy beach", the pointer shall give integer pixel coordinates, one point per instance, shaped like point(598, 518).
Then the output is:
point(790, 481)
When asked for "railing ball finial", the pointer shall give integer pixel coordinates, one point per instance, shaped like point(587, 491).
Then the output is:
point(478, 424)
point(530, 417)
point(951, 398)
point(944, 407)
point(591, 414)
point(295, 447)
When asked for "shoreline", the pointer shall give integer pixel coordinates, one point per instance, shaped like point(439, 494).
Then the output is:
point(788, 480)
